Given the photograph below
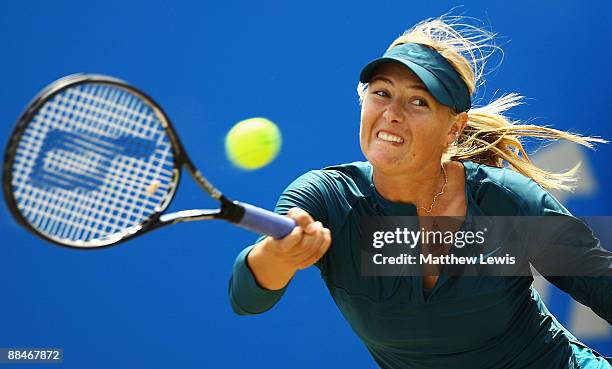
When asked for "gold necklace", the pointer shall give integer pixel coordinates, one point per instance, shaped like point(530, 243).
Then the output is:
point(438, 194)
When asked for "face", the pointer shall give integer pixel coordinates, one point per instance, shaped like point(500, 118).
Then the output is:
point(402, 125)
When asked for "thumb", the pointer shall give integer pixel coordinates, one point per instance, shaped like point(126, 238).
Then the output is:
point(302, 219)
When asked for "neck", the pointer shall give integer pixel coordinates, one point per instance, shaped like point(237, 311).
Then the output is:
point(414, 186)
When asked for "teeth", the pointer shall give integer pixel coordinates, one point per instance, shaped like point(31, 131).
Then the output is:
point(389, 137)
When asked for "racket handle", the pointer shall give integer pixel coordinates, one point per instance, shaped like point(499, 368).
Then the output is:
point(265, 221)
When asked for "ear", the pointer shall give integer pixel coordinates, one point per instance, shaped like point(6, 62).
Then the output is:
point(459, 122)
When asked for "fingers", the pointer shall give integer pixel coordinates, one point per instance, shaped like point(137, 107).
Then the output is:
point(306, 243)
point(310, 241)
point(303, 244)
point(289, 241)
point(318, 244)
point(302, 219)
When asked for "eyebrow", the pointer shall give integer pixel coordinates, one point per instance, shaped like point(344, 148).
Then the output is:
point(389, 81)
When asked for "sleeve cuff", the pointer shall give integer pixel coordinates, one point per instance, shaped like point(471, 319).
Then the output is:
point(246, 296)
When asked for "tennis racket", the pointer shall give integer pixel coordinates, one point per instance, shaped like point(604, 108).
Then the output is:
point(94, 161)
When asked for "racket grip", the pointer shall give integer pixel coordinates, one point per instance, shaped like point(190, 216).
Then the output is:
point(266, 222)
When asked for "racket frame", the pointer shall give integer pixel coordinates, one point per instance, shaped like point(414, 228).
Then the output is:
point(230, 210)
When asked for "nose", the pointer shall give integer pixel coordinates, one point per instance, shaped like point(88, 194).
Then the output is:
point(394, 112)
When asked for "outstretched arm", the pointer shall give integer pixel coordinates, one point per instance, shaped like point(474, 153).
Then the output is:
point(262, 271)
point(274, 262)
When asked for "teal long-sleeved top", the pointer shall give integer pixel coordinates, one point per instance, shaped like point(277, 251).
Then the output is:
point(463, 322)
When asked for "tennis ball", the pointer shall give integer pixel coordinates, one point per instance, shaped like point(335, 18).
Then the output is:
point(253, 143)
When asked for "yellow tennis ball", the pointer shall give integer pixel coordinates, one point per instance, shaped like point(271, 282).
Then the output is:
point(253, 143)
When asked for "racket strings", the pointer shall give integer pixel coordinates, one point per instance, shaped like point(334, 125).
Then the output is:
point(94, 161)
point(89, 224)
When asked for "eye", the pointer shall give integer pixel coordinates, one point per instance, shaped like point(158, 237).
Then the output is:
point(381, 93)
point(421, 102)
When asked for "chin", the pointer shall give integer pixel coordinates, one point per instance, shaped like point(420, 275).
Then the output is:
point(383, 161)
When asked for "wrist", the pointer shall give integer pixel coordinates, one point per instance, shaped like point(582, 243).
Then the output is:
point(269, 269)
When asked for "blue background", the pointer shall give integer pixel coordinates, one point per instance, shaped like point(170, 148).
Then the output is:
point(160, 301)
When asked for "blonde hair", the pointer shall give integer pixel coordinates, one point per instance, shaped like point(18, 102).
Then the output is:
point(489, 137)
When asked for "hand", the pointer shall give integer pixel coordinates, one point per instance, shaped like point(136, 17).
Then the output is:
point(274, 262)
point(304, 246)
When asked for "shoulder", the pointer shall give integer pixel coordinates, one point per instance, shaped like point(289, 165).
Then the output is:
point(351, 179)
point(328, 194)
point(508, 191)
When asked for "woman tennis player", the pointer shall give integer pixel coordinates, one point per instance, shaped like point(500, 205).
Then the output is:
point(430, 152)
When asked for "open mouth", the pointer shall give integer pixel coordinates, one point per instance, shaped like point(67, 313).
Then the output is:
point(390, 137)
